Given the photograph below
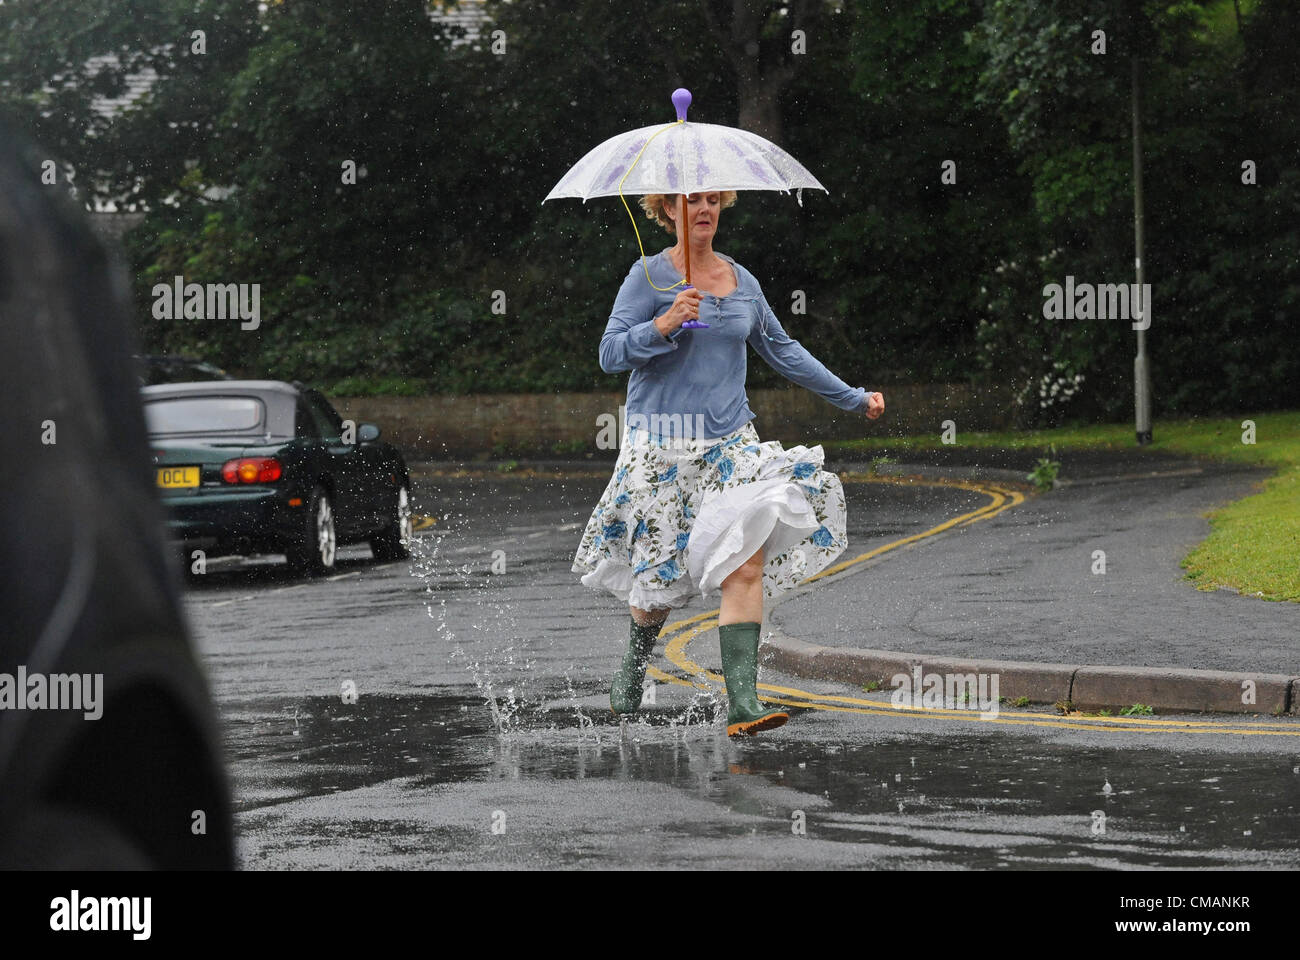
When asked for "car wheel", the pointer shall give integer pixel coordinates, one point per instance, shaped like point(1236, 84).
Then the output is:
point(314, 554)
point(394, 541)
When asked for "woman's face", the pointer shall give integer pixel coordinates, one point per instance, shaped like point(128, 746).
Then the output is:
point(702, 212)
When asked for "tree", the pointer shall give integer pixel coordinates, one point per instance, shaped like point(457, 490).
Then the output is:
point(59, 58)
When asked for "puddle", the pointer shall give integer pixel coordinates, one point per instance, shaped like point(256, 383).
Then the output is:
point(976, 802)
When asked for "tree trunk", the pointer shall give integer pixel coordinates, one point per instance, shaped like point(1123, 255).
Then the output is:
point(758, 90)
point(760, 108)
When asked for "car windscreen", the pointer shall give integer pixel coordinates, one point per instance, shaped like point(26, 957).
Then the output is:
point(205, 415)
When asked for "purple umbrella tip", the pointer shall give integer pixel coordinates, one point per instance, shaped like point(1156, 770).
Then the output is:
point(681, 101)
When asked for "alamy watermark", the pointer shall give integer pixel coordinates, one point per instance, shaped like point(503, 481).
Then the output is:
point(212, 301)
point(1106, 301)
point(54, 691)
point(664, 428)
point(75, 913)
point(959, 691)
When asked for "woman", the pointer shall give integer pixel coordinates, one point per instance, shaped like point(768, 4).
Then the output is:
point(697, 502)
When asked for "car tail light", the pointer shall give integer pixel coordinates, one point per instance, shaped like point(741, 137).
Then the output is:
point(251, 470)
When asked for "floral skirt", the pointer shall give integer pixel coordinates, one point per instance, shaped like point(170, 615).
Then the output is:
point(679, 515)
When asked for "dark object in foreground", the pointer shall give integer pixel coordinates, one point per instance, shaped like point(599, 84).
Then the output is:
point(132, 776)
point(261, 466)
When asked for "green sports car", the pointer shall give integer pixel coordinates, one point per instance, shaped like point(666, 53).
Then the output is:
point(262, 466)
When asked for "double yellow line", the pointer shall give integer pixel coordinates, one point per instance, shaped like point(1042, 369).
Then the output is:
point(691, 674)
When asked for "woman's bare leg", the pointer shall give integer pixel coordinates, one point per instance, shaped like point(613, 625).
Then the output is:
point(742, 592)
point(648, 618)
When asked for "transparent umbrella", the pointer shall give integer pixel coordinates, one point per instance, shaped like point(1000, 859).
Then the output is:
point(683, 158)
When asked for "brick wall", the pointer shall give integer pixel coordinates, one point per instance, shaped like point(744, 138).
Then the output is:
point(565, 425)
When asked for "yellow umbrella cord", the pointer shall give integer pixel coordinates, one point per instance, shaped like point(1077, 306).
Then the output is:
point(629, 209)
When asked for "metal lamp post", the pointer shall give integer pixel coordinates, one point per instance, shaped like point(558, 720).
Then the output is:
point(1141, 365)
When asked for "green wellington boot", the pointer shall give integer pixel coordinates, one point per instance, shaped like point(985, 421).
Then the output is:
point(628, 685)
point(739, 643)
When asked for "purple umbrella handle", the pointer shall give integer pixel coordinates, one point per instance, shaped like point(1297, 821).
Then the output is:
point(691, 324)
point(681, 101)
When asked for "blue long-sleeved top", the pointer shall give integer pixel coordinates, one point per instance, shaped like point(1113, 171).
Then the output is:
point(702, 371)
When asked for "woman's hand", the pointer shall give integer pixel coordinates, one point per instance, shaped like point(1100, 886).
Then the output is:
point(685, 307)
point(875, 405)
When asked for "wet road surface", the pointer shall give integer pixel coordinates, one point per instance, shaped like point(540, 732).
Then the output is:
point(480, 734)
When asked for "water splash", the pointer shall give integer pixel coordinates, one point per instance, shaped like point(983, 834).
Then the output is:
point(586, 726)
point(500, 671)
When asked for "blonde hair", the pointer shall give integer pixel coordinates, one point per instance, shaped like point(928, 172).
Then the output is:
point(653, 205)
